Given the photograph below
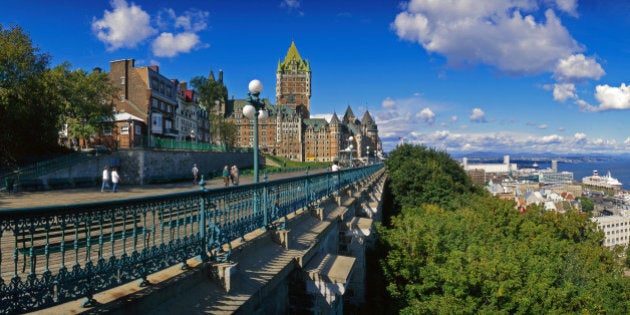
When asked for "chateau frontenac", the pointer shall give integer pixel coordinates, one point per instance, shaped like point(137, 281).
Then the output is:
point(291, 133)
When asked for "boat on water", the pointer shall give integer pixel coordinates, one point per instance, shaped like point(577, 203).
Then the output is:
point(606, 181)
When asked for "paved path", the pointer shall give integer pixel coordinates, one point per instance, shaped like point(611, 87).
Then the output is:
point(83, 195)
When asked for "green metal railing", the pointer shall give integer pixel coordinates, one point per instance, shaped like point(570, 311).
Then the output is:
point(169, 143)
point(51, 255)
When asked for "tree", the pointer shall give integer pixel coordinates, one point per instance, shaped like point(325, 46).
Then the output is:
point(212, 94)
point(477, 254)
point(85, 99)
point(588, 205)
point(29, 121)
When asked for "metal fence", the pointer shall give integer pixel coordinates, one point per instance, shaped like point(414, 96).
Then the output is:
point(171, 143)
point(51, 255)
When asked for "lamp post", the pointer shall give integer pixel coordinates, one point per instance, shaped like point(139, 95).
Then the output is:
point(255, 109)
point(368, 155)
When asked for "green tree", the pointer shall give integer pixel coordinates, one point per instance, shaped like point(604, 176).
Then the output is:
point(477, 254)
point(85, 100)
point(29, 121)
point(211, 95)
point(588, 205)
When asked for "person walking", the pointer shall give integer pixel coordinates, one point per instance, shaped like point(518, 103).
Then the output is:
point(195, 172)
point(115, 179)
point(335, 166)
point(234, 174)
point(226, 175)
point(105, 178)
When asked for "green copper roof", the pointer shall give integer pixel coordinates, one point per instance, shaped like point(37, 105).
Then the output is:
point(293, 54)
point(316, 123)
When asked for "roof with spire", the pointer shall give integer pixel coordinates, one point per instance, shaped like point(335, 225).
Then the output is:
point(293, 54)
point(335, 119)
point(367, 119)
point(348, 117)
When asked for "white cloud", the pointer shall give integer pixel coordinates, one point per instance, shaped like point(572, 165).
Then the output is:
point(516, 37)
point(612, 98)
point(124, 27)
point(551, 139)
point(576, 68)
point(502, 34)
point(564, 91)
point(190, 21)
point(478, 115)
point(426, 115)
point(167, 45)
point(579, 137)
point(627, 141)
point(568, 6)
point(388, 103)
point(506, 141)
point(290, 4)
point(128, 25)
point(543, 126)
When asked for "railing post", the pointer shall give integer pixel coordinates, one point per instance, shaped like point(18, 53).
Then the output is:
point(265, 191)
point(203, 255)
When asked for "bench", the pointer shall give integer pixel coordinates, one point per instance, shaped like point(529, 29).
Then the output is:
point(42, 241)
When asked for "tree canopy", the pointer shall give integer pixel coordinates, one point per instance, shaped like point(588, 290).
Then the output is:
point(467, 252)
point(28, 119)
point(36, 101)
point(211, 94)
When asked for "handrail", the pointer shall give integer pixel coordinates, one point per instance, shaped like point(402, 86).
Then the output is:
point(51, 255)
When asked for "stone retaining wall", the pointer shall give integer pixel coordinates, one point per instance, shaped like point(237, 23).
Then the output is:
point(143, 166)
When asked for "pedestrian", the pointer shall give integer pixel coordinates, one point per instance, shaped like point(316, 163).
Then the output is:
point(115, 179)
point(105, 178)
point(234, 174)
point(335, 166)
point(195, 172)
point(226, 175)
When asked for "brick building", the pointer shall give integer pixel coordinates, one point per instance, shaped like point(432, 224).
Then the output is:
point(147, 95)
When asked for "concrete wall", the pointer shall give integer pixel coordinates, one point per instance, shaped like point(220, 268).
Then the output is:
point(141, 166)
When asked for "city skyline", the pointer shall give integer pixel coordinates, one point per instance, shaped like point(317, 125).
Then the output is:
point(460, 76)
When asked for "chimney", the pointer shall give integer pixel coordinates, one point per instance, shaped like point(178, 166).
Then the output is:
point(221, 76)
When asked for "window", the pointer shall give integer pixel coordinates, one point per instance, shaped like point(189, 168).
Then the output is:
point(122, 80)
point(124, 130)
point(107, 130)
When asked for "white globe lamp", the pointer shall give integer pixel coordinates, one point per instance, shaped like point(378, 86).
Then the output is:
point(255, 86)
point(249, 111)
point(263, 114)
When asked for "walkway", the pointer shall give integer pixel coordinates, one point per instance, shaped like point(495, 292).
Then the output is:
point(84, 195)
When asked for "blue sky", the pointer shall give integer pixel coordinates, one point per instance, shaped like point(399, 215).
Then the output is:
point(460, 76)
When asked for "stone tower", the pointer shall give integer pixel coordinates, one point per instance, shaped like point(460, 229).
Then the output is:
point(293, 82)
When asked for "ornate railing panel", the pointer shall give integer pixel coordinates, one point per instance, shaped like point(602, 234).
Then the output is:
point(51, 255)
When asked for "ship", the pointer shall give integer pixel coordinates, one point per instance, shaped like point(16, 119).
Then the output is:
point(606, 181)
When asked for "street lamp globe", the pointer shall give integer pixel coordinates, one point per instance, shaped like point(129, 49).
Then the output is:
point(249, 111)
point(263, 114)
point(255, 86)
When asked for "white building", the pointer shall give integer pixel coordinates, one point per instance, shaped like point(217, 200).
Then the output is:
point(616, 229)
point(504, 168)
